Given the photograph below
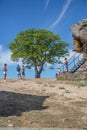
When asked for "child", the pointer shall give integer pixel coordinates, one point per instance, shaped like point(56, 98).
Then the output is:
point(59, 72)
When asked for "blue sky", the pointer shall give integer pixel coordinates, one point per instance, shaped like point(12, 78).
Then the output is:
point(54, 15)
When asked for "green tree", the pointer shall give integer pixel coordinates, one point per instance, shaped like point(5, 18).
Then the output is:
point(37, 47)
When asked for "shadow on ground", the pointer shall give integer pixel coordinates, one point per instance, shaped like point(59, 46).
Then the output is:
point(15, 103)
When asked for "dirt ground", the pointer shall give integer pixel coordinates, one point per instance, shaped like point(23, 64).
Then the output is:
point(43, 103)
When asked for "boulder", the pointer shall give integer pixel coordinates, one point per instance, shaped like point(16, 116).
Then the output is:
point(79, 34)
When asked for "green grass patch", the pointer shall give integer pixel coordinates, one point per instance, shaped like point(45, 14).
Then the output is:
point(60, 78)
point(45, 84)
point(67, 91)
point(39, 82)
point(61, 87)
point(51, 85)
point(82, 84)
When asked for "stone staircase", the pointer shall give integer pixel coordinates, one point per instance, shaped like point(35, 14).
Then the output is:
point(77, 65)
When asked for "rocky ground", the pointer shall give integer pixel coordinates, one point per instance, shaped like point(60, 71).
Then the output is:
point(43, 103)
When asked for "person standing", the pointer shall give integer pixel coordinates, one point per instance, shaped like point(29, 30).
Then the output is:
point(23, 72)
point(18, 71)
point(59, 72)
point(5, 71)
point(66, 64)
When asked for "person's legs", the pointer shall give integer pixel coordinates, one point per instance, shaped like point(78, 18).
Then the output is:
point(66, 69)
point(23, 75)
point(20, 75)
point(4, 76)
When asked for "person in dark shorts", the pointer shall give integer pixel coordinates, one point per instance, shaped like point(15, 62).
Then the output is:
point(66, 64)
point(23, 72)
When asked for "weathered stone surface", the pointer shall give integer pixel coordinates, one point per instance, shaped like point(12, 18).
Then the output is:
point(79, 33)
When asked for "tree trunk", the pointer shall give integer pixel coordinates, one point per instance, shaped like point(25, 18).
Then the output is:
point(37, 74)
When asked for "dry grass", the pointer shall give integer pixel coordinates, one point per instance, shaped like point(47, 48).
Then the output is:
point(38, 103)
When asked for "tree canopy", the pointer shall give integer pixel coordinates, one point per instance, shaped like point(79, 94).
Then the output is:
point(37, 47)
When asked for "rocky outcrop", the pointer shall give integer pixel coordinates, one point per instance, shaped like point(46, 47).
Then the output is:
point(79, 34)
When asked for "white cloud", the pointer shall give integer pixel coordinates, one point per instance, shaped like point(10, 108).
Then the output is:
point(5, 56)
point(47, 3)
point(48, 66)
point(0, 47)
point(61, 14)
